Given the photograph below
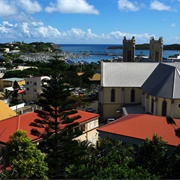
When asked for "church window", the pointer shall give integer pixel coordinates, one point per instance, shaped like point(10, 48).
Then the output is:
point(132, 95)
point(164, 108)
point(112, 95)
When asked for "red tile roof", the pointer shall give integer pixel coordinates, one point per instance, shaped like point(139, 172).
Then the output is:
point(20, 91)
point(11, 125)
point(141, 126)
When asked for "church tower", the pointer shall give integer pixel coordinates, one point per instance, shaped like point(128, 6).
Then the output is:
point(156, 49)
point(128, 49)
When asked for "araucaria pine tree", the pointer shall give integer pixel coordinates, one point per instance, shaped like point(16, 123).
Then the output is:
point(54, 119)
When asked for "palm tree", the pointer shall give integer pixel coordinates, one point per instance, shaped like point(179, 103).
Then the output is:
point(7, 95)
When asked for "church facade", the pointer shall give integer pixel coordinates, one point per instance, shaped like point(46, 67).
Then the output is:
point(153, 86)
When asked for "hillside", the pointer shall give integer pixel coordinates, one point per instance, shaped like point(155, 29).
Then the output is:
point(146, 47)
point(33, 47)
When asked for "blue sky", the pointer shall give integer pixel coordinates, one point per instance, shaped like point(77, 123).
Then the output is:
point(89, 21)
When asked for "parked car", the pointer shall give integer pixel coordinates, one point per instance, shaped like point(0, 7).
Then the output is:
point(109, 120)
point(90, 109)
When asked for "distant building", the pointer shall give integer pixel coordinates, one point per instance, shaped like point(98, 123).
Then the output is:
point(128, 49)
point(33, 87)
point(156, 49)
point(8, 82)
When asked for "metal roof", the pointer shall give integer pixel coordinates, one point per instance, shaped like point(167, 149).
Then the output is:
point(164, 81)
point(125, 74)
point(13, 79)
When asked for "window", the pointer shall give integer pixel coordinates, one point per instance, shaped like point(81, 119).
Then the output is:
point(35, 83)
point(179, 106)
point(91, 124)
point(77, 129)
point(152, 106)
point(27, 82)
point(112, 95)
point(83, 128)
point(27, 89)
point(164, 108)
point(132, 95)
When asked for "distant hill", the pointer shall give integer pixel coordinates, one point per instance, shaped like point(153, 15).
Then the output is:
point(146, 47)
point(33, 47)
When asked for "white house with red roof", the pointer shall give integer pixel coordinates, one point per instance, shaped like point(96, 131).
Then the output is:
point(88, 123)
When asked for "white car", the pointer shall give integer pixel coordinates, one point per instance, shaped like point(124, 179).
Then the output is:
point(109, 120)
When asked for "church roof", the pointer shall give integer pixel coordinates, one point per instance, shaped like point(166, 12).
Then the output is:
point(164, 81)
point(125, 74)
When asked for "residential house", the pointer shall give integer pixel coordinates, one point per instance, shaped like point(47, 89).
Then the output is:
point(88, 123)
point(133, 129)
point(8, 82)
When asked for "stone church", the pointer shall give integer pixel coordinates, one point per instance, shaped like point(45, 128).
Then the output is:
point(155, 49)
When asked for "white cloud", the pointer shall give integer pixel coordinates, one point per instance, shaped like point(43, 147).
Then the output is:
point(7, 9)
point(29, 6)
point(173, 25)
point(13, 9)
point(156, 5)
point(5, 23)
point(30, 31)
point(37, 31)
point(128, 5)
point(73, 6)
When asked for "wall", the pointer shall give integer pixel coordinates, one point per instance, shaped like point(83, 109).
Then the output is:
point(90, 133)
point(122, 97)
point(173, 110)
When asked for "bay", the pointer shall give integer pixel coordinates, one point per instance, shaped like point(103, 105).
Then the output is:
point(97, 52)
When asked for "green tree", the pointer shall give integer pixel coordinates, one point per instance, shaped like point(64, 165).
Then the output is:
point(16, 87)
point(7, 94)
point(54, 119)
point(171, 121)
point(116, 171)
point(153, 156)
point(109, 160)
point(21, 159)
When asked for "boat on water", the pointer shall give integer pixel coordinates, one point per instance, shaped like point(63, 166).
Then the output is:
point(174, 58)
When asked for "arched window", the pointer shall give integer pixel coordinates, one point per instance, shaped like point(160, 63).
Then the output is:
point(164, 108)
point(152, 106)
point(132, 95)
point(112, 95)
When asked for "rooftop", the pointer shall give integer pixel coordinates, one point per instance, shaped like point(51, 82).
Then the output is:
point(125, 74)
point(142, 126)
point(11, 125)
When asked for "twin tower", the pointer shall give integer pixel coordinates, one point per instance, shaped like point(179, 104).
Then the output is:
point(155, 49)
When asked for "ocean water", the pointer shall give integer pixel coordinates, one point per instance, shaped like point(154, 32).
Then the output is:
point(97, 52)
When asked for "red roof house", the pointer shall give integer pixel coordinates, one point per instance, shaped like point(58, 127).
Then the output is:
point(135, 128)
point(11, 125)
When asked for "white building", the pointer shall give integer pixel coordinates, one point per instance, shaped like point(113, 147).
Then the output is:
point(33, 87)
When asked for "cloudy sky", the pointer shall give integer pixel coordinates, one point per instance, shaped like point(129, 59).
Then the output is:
point(89, 21)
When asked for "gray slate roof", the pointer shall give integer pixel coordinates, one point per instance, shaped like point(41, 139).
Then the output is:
point(125, 74)
point(164, 81)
